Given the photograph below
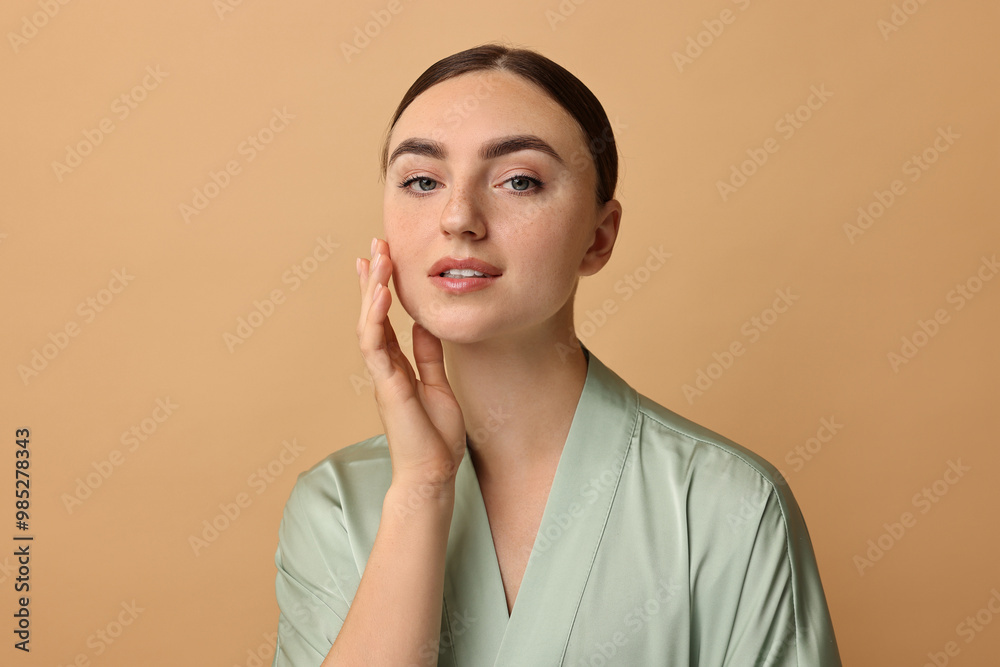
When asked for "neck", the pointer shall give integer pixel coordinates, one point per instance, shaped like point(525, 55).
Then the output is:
point(518, 398)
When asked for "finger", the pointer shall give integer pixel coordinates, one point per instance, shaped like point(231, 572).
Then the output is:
point(362, 265)
point(396, 352)
point(363, 281)
point(429, 357)
point(383, 343)
point(369, 280)
point(392, 342)
point(371, 336)
point(372, 272)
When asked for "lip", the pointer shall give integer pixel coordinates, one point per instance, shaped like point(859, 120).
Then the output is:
point(448, 263)
point(463, 285)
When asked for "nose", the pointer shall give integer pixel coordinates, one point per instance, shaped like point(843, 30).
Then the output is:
point(464, 214)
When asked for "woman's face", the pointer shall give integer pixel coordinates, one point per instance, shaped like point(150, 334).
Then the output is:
point(458, 188)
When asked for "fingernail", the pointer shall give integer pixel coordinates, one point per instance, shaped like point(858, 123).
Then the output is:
point(378, 256)
point(374, 245)
point(357, 265)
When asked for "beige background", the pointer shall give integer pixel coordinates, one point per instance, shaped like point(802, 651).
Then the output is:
point(219, 77)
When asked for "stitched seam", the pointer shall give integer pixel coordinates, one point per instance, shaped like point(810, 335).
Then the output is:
point(607, 515)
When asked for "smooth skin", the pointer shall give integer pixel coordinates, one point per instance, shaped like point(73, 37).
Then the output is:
point(500, 364)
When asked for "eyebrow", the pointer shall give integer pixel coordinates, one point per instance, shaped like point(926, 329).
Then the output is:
point(488, 151)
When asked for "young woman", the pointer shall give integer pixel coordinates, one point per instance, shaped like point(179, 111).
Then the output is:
point(525, 506)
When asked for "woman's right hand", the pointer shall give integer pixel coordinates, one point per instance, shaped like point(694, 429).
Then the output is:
point(422, 419)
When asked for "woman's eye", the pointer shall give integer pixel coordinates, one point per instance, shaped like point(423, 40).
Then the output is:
point(519, 184)
point(424, 184)
point(522, 183)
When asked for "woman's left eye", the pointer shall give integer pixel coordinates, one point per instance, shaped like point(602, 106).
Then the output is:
point(521, 183)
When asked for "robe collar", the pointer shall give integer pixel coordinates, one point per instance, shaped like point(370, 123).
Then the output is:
point(476, 627)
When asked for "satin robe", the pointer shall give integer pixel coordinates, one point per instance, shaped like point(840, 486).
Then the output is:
point(661, 543)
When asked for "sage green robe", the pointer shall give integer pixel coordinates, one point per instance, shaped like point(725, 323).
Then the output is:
point(661, 543)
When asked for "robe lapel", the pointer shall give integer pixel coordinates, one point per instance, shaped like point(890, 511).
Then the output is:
point(475, 605)
point(572, 525)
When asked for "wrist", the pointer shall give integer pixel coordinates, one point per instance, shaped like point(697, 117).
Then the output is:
point(427, 477)
point(435, 485)
point(409, 497)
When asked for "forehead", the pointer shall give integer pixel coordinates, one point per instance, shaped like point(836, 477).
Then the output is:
point(476, 106)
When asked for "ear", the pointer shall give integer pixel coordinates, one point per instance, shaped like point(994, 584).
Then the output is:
point(605, 234)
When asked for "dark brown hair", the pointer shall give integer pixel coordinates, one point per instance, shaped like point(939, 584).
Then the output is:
point(568, 91)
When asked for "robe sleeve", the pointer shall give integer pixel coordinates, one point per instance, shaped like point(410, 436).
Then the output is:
point(314, 563)
point(781, 619)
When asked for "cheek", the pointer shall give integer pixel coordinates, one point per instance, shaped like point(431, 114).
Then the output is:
point(406, 222)
point(405, 283)
point(554, 243)
point(404, 270)
point(397, 234)
point(395, 215)
point(548, 267)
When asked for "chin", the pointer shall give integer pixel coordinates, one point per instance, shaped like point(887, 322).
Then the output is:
point(461, 331)
point(457, 323)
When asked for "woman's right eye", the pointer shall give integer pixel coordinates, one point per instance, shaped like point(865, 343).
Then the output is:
point(424, 184)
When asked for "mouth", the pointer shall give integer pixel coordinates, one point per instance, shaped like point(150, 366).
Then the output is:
point(463, 269)
point(461, 276)
point(463, 273)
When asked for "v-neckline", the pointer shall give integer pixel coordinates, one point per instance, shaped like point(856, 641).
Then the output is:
point(495, 526)
point(479, 629)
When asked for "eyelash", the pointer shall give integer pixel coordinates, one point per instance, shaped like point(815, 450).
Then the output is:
point(405, 185)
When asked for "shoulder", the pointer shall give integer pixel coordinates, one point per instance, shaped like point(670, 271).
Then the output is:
point(748, 550)
point(722, 482)
point(356, 471)
point(365, 454)
point(730, 495)
point(714, 455)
